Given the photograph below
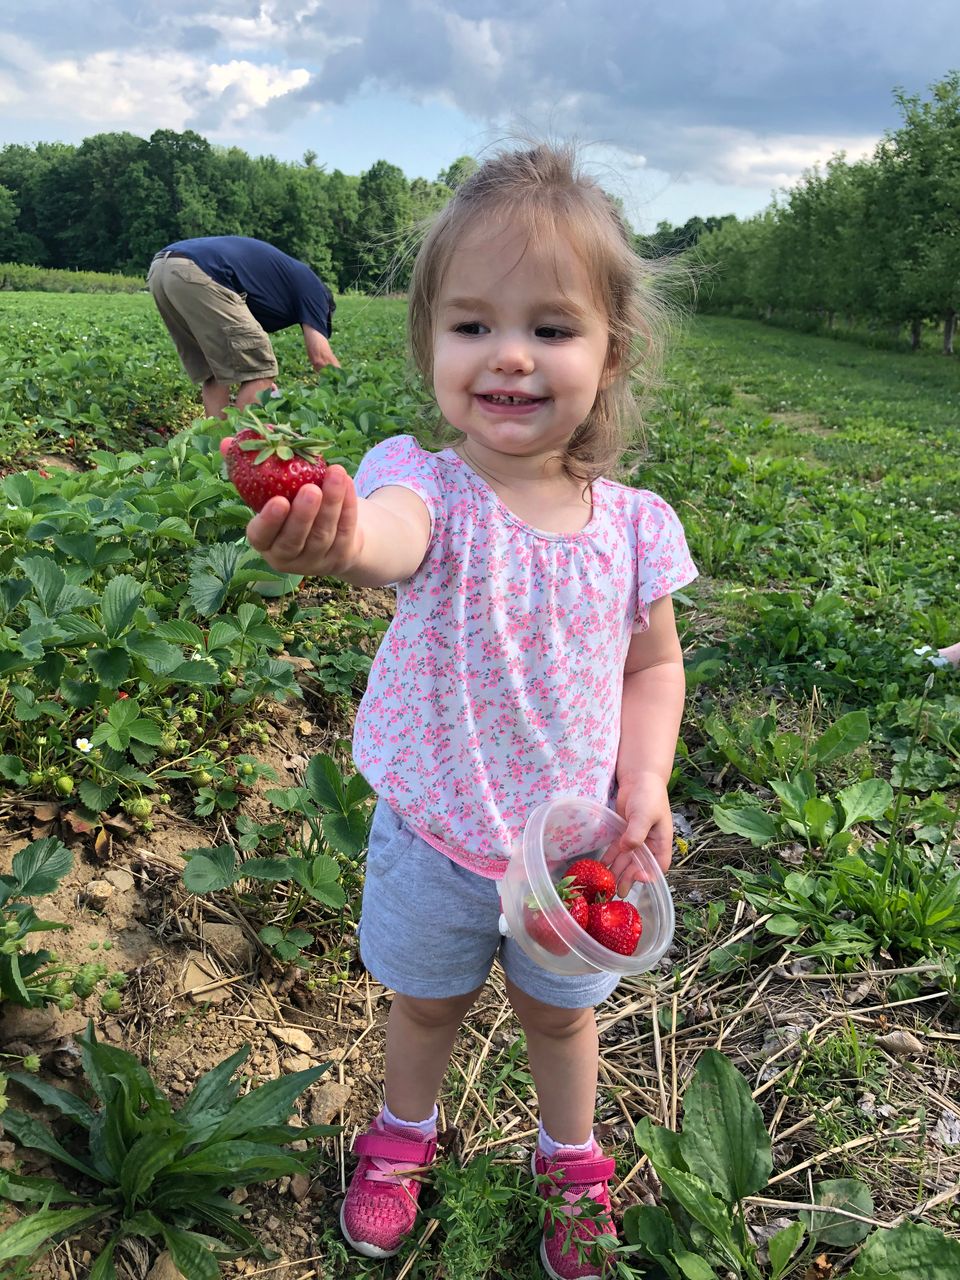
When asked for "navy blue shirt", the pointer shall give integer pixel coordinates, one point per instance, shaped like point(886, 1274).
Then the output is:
point(279, 290)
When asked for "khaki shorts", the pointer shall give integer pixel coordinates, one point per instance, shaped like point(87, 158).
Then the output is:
point(212, 328)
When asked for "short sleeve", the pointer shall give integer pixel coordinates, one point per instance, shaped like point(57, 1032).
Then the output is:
point(401, 461)
point(664, 564)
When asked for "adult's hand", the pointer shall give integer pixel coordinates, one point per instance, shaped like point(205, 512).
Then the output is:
point(319, 352)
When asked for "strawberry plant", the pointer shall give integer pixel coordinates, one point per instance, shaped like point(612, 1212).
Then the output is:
point(147, 1170)
point(34, 978)
point(334, 821)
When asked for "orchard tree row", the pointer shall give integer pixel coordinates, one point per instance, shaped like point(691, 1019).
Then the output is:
point(112, 202)
point(875, 242)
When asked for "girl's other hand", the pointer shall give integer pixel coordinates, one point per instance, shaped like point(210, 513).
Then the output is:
point(645, 806)
point(317, 533)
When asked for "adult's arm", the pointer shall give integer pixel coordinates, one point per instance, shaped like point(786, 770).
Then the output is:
point(319, 351)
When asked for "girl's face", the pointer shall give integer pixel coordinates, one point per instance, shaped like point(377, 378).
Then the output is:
point(520, 347)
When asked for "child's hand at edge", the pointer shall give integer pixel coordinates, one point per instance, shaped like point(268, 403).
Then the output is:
point(318, 533)
point(642, 801)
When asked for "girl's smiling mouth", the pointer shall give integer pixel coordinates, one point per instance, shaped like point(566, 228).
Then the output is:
point(509, 402)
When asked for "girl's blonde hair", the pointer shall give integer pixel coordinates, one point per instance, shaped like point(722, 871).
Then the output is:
point(544, 192)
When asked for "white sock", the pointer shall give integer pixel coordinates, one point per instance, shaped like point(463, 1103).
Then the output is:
point(427, 1127)
point(549, 1147)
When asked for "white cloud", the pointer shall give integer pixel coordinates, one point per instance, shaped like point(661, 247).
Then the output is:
point(744, 159)
point(123, 89)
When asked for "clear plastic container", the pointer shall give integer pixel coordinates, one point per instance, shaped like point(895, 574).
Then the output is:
point(557, 834)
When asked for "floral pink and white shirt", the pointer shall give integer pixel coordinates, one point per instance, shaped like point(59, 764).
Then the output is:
point(498, 684)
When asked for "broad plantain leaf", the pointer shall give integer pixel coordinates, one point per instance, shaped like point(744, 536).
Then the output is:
point(724, 1139)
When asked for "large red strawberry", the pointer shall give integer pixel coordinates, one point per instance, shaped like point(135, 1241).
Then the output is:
point(592, 878)
point(265, 461)
point(540, 929)
point(615, 925)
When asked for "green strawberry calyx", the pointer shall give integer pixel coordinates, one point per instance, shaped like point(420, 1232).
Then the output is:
point(283, 442)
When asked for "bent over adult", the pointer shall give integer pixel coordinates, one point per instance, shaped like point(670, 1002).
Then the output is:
point(220, 296)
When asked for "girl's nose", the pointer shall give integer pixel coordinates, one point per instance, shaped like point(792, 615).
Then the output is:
point(511, 354)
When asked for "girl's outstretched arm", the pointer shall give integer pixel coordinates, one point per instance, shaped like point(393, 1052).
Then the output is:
point(369, 542)
point(653, 692)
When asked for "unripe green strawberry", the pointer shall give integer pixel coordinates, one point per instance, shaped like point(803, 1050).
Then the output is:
point(111, 1001)
point(35, 778)
point(203, 778)
point(64, 785)
point(138, 807)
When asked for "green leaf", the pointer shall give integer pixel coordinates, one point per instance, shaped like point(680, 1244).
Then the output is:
point(268, 1104)
point(111, 666)
point(346, 832)
point(103, 1268)
point(724, 1139)
point(832, 1228)
point(66, 1103)
point(212, 1096)
point(746, 820)
point(848, 733)
point(190, 1255)
point(911, 1251)
point(236, 1156)
point(31, 1133)
point(694, 1196)
point(785, 926)
point(782, 1247)
point(41, 1228)
point(21, 1189)
point(661, 1146)
point(40, 866)
point(97, 798)
point(121, 599)
point(148, 731)
point(865, 801)
point(651, 1227)
point(211, 870)
point(324, 783)
point(145, 1159)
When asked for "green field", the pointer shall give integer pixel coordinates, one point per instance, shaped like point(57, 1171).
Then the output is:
point(817, 881)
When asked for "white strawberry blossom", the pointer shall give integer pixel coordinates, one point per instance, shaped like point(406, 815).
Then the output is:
point(84, 745)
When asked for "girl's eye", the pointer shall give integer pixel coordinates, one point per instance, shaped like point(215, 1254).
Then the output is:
point(472, 328)
point(552, 332)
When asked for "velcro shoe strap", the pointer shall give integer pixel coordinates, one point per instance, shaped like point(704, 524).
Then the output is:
point(387, 1146)
point(582, 1173)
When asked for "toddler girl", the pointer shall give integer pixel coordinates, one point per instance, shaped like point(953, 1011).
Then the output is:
point(533, 653)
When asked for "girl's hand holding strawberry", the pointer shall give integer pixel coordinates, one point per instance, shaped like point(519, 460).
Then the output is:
point(643, 803)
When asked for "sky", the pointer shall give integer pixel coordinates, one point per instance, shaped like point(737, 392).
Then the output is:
point(706, 107)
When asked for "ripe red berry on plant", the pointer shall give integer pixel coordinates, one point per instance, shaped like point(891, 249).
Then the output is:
point(591, 878)
point(267, 461)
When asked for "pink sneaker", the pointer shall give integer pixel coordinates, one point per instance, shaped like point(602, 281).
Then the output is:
point(380, 1206)
point(579, 1190)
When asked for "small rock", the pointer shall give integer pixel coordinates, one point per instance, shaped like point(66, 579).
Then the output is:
point(163, 1269)
point(199, 972)
point(293, 1038)
point(330, 1098)
point(231, 944)
point(947, 1130)
point(120, 878)
point(900, 1044)
point(96, 894)
point(298, 1062)
point(299, 1186)
point(306, 729)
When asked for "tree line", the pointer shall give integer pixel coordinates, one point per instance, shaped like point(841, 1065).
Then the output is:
point(110, 203)
point(872, 242)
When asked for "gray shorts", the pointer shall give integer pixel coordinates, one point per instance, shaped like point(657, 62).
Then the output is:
point(430, 928)
point(213, 329)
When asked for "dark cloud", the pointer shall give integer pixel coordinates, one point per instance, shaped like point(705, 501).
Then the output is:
point(680, 84)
